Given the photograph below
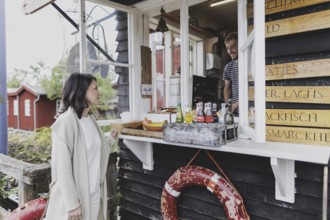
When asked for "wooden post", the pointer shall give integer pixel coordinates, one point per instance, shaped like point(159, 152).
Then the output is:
point(113, 195)
point(3, 82)
point(32, 178)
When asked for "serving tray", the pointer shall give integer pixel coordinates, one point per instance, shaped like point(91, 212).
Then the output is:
point(208, 134)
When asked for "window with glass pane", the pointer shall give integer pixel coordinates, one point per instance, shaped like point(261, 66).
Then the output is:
point(15, 109)
point(160, 76)
point(107, 43)
point(252, 71)
point(176, 69)
point(250, 80)
point(167, 78)
point(27, 107)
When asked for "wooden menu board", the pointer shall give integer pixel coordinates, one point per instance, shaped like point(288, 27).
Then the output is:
point(297, 24)
point(296, 94)
point(312, 136)
point(302, 126)
point(298, 117)
point(302, 69)
point(274, 6)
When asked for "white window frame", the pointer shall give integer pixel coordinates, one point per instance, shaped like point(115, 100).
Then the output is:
point(131, 12)
point(15, 107)
point(245, 42)
point(154, 75)
point(258, 35)
point(196, 64)
point(27, 107)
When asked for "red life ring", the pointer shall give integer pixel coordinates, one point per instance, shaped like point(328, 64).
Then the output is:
point(31, 210)
point(200, 176)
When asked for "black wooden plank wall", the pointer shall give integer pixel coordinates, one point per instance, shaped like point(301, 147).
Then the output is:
point(122, 49)
point(252, 176)
point(304, 46)
point(141, 190)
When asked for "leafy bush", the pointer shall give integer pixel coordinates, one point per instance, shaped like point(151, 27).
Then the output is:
point(31, 147)
point(8, 186)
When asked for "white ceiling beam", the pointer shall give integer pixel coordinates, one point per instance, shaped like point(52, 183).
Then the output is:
point(120, 7)
point(152, 7)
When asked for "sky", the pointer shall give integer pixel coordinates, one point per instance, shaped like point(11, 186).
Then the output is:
point(46, 36)
point(34, 37)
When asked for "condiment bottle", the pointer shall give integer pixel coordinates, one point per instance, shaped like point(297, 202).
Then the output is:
point(200, 113)
point(222, 112)
point(187, 114)
point(208, 112)
point(214, 112)
point(229, 120)
point(179, 116)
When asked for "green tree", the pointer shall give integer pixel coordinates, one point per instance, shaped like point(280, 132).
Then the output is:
point(53, 84)
point(106, 90)
point(13, 82)
point(32, 75)
point(51, 80)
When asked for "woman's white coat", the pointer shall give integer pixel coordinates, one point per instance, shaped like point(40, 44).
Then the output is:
point(70, 183)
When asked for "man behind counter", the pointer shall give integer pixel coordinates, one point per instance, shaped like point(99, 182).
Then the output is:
point(230, 74)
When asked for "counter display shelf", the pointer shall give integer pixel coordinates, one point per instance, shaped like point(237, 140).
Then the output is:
point(282, 156)
point(206, 134)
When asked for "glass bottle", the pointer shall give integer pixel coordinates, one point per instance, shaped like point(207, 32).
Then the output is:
point(208, 112)
point(230, 102)
point(229, 117)
point(222, 112)
point(200, 112)
point(229, 120)
point(187, 114)
point(179, 115)
point(214, 112)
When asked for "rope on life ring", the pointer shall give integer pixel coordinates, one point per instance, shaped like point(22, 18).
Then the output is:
point(199, 176)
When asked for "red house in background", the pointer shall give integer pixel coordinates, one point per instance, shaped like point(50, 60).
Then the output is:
point(29, 108)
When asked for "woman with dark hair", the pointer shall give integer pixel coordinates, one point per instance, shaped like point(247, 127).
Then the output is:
point(80, 155)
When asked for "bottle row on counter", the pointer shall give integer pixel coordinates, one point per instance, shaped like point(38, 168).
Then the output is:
point(205, 113)
point(205, 125)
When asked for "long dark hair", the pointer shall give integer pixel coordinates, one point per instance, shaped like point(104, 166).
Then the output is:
point(74, 92)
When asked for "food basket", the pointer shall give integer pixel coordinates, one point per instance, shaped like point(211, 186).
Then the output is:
point(207, 134)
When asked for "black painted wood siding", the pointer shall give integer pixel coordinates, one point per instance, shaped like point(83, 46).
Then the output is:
point(122, 49)
point(252, 176)
point(304, 46)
